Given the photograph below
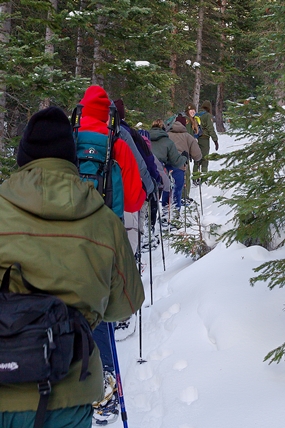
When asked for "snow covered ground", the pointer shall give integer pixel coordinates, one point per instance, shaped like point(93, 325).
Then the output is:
point(205, 336)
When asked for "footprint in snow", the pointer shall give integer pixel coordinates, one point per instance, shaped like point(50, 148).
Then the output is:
point(180, 365)
point(160, 354)
point(144, 371)
point(174, 309)
point(189, 395)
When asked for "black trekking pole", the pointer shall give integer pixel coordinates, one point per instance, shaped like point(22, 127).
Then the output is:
point(75, 122)
point(160, 229)
point(150, 255)
point(185, 202)
point(139, 249)
point(118, 375)
point(75, 119)
point(201, 201)
point(170, 201)
point(140, 360)
point(107, 175)
point(200, 187)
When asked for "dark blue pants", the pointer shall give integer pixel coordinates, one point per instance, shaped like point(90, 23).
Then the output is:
point(178, 175)
point(101, 338)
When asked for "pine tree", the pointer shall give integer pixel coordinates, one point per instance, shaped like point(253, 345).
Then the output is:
point(255, 173)
point(192, 240)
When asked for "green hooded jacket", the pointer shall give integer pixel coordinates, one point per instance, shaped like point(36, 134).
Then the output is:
point(164, 148)
point(69, 243)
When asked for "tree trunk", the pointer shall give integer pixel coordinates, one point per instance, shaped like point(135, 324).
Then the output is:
point(173, 60)
point(97, 79)
point(79, 45)
point(197, 84)
point(219, 107)
point(100, 28)
point(173, 67)
point(49, 49)
point(5, 28)
point(221, 86)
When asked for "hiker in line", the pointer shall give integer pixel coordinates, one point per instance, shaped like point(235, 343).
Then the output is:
point(192, 121)
point(144, 173)
point(193, 126)
point(166, 152)
point(131, 220)
point(134, 222)
point(70, 244)
point(164, 185)
point(208, 131)
point(184, 142)
point(94, 119)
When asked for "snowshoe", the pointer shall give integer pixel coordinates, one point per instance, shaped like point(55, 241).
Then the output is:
point(107, 410)
point(154, 244)
point(186, 202)
point(125, 328)
point(196, 182)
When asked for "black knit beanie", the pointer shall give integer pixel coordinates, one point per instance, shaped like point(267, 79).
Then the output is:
point(47, 135)
point(181, 119)
point(120, 107)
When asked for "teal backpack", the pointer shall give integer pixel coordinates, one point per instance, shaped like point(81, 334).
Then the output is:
point(96, 162)
point(170, 121)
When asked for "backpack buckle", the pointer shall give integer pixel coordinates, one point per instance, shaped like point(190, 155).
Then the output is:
point(44, 387)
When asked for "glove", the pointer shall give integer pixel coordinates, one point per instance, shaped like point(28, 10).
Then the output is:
point(216, 145)
point(151, 196)
point(155, 184)
point(185, 154)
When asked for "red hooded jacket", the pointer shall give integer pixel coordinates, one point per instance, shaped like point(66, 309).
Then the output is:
point(95, 114)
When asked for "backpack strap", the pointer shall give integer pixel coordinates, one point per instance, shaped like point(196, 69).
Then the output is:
point(84, 334)
point(6, 280)
point(44, 391)
point(85, 355)
point(200, 113)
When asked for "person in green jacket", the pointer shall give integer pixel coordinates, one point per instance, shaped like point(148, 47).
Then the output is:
point(208, 131)
point(70, 244)
point(166, 152)
point(163, 147)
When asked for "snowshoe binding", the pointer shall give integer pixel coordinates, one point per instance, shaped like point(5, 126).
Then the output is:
point(107, 410)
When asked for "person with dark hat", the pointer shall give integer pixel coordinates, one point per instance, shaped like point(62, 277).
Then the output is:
point(191, 119)
point(38, 141)
point(208, 131)
point(58, 228)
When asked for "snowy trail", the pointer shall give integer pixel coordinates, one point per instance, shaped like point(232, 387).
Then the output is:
point(204, 339)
